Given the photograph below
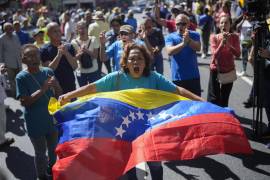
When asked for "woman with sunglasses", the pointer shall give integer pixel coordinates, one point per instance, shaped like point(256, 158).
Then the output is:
point(135, 73)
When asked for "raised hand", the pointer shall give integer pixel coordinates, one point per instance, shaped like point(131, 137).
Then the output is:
point(102, 38)
point(186, 37)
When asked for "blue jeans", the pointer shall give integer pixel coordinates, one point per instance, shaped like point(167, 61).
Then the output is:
point(245, 50)
point(87, 78)
point(41, 145)
point(157, 64)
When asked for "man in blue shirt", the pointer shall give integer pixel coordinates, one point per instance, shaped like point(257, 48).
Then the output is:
point(181, 47)
point(116, 49)
point(130, 20)
point(205, 23)
point(60, 58)
point(154, 41)
point(23, 36)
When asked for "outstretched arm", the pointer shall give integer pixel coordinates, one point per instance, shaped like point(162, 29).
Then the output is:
point(183, 92)
point(82, 91)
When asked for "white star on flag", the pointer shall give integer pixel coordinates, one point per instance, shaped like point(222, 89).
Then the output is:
point(120, 131)
point(149, 115)
point(163, 115)
point(140, 115)
point(180, 116)
point(126, 121)
point(132, 115)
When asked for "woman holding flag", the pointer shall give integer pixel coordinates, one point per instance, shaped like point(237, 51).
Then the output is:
point(135, 73)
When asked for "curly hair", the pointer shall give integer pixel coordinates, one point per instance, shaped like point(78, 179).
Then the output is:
point(145, 53)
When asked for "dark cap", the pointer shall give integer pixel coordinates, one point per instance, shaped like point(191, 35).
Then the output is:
point(177, 8)
point(37, 32)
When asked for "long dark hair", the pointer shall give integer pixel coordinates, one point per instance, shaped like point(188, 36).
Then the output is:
point(145, 53)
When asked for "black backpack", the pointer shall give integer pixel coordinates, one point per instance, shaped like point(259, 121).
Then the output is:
point(86, 59)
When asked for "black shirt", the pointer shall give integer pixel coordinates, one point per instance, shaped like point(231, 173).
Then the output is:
point(64, 71)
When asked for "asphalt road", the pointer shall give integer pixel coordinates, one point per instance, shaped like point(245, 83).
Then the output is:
point(16, 162)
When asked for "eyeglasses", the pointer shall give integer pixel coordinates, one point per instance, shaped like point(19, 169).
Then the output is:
point(133, 60)
point(181, 24)
point(123, 33)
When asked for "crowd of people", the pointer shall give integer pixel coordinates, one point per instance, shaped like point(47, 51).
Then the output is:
point(60, 49)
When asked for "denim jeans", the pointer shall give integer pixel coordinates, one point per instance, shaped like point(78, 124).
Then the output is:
point(2, 123)
point(87, 78)
point(205, 41)
point(41, 145)
point(157, 64)
point(245, 50)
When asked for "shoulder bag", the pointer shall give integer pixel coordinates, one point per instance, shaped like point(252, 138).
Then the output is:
point(225, 78)
point(86, 59)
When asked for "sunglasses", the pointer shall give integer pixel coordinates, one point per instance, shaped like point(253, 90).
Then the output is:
point(181, 24)
point(123, 33)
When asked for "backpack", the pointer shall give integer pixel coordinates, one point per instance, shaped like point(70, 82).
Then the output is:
point(86, 59)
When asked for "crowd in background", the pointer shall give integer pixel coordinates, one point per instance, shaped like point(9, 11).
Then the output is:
point(75, 44)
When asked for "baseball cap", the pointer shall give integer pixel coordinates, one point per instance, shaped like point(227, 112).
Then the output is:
point(37, 31)
point(126, 28)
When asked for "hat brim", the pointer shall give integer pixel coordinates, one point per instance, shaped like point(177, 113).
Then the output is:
point(125, 31)
point(39, 32)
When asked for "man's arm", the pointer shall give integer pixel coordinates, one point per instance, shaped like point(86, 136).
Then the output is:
point(29, 100)
point(70, 58)
point(183, 92)
point(172, 50)
point(102, 52)
point(82, 91)
point(54, 63)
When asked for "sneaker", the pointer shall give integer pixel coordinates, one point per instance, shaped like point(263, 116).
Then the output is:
point(243, 73)
point(203, 56)
point(7, 142)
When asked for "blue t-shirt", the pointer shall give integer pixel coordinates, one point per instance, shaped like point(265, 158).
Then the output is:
point(132, 22)
point(64, 71)
point(38, 120)
point(115, 52)
point(120, 81)
point(184, 65)
point(23, 37)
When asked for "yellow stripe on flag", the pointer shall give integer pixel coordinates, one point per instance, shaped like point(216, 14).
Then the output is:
point(141, 98)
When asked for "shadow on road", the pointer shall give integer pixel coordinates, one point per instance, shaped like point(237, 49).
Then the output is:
point(258, 158)
point(15, 124)
point(20, 164)
point(212, 167)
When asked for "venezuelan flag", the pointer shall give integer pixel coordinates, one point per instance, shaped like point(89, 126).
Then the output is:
point(104, 135)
